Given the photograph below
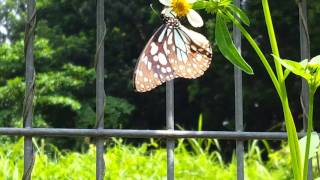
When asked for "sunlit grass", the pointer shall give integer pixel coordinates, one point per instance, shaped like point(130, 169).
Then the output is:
point(147, 161)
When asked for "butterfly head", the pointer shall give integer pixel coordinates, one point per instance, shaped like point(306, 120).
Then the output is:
point(171, 21)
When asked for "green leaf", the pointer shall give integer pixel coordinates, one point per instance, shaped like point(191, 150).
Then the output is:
point(298, 68)
point(199, 5)
point(314, 68)
point(223, 2)
point(227, 47)
point(286, 73)
point(60, 101)
point(241, 14)
point(200, 122)
point(314, 144)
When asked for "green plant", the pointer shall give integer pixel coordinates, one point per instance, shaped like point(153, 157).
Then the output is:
point(310, 71)
point(125, 161)
point(201, 146)
point(226, 12)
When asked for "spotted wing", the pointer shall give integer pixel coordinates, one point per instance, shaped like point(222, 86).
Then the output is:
point(189, 52)
point(153, 67)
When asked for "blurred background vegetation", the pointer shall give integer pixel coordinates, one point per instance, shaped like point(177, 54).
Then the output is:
point(64, 61)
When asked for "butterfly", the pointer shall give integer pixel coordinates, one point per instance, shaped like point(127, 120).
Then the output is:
point(173, 51)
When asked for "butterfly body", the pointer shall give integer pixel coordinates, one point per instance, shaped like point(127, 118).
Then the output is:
point(173, 51)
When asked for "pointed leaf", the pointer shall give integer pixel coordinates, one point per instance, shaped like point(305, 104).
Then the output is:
point(200, 122)
point(200, 4)
point(226, 46)
point(241, 15)
point(298, 68)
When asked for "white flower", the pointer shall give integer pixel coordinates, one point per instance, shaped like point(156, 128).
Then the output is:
point(182, 8)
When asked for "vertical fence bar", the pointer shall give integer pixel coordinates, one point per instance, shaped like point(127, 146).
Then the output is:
point(238, 103)
point(29, 93)
point(170, 126)
point(100, 93)
point(305, 54)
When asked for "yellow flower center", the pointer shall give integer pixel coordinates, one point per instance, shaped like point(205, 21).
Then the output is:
point(181, 7)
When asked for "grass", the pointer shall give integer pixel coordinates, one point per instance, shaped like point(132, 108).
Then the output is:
point(147, 161)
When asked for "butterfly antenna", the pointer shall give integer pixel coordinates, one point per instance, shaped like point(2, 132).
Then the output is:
point(172, 14)
point(156, 12)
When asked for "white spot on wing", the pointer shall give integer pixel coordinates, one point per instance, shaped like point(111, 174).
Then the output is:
point(145, 60)
point(163, 70)
point(162, 59)
point(168, 31)
point(198, 57)
point(155, 58)
point(161, 36)
point(154, 48)
point(149, 65)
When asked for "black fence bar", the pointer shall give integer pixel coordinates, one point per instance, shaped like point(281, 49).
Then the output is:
point(170, 127)
point(29, 92)
point(238, 103)
point(129, 133)
point(100, 93)
point(305, 54)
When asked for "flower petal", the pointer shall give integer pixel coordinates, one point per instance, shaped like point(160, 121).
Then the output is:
point(192, 1)
point(194, 18)
point(166, 2)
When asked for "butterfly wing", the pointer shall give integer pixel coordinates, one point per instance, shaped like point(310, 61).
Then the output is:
point(189, 52)
point(153, 67)
point(171, 52)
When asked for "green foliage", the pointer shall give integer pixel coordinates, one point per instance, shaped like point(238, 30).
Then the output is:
point(240, 14)
point(222, 34)
point(147, 161)
point(310, 71)
point(201, 146)
point(227, 47)
point(117, 112)
point(65, 40)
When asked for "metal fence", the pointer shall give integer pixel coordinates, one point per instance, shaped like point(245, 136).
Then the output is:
point(170, 134)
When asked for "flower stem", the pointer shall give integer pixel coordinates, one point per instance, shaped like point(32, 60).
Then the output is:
point(292, 139)
point(290, 126)
point(309, 130)
point(258, 51)
point(272, 37)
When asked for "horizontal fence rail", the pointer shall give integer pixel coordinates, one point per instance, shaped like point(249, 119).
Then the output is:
point(129, 133)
